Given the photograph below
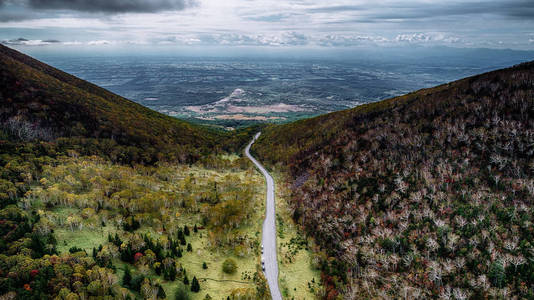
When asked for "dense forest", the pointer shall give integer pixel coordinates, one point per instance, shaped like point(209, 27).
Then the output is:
point(428, 195)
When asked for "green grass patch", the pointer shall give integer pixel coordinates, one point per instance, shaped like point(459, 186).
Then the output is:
point(297, 278)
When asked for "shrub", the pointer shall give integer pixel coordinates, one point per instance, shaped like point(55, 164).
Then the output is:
point(131, 224)
point(181, 293)
point(75, 249)
point(229, 266)
point(136, 282)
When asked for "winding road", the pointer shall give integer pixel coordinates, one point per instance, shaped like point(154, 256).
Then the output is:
point(269, 229)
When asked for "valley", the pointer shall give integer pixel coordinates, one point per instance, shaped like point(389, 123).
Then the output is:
point(427, 195)
point(99, 216)
point(234, 93)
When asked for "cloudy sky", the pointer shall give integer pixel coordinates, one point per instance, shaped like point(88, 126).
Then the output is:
point(268, 23)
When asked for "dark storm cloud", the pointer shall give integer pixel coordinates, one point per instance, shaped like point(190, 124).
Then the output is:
point(26, 42)
point(409, 10)
point(112, 6)
point(7, 17)
point(523, 10)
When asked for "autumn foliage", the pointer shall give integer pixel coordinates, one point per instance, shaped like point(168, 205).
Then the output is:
point(422, 196)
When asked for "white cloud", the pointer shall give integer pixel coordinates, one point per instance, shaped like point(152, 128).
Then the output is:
point(334, 23)
point(73, 43)
point(99, 43)
point(438, 38)
point(344, 40)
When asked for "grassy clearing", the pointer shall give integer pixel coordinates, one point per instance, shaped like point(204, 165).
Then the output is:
point(85, 238)
point(214, 281)
point(297, 277)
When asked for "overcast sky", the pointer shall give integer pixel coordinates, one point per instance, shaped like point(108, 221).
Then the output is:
point(269, 23)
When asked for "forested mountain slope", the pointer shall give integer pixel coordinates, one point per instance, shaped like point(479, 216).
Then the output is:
point(425, 195)
point(39, 102)
point(101, 198)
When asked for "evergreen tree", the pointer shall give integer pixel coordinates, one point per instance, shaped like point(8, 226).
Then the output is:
point(204, 265)
point(161, 292)
point(172, 273)
point(186, 280)
point(166, 274)
point(189, 248)
point(195, 286)
point(127, 278)
point(186, 230)
point(497, 274)
point(117, 241)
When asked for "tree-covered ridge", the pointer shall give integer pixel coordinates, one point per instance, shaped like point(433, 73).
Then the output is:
point(39, 102)
point(425, 195)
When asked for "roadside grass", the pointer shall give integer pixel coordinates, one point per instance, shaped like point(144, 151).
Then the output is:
point(298, 279)
point(213, 280)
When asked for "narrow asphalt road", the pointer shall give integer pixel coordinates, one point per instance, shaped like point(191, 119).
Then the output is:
point(269, 229)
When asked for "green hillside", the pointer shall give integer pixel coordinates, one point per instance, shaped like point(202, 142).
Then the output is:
point(426, 195)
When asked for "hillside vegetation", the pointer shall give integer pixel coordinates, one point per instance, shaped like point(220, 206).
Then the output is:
point(39, 102)
point(101, 198)
point(425, 195)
